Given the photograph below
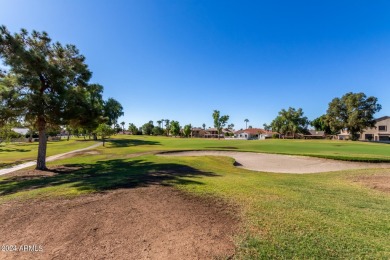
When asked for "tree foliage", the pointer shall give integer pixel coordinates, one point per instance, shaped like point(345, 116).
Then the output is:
point(290, 121)
point(353, 112)
point(187, 130)
point(11, 103)
point(246, 123)
point(113, 110)
point(47, 84)
point(133, 129)
point(267, 127)
point(147, 128)
point(321, 124)
point(167, 126)
point(175, 128)
point(6, 133)
point(219, 121)
point(157, 130)
point(104, 131)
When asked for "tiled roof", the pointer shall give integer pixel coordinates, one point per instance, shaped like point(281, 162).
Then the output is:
point(254, 131)
point(316, 133)
point(382, 118)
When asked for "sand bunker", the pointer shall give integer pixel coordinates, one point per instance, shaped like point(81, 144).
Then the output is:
point(283, 163)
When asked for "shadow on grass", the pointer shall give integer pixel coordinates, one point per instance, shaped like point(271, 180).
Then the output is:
point(134, 142)
point(106, 175)
point(14, 150)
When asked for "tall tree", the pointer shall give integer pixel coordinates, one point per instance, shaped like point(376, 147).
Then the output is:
point(246, 123)
point(353, 111)
point(175, 128)
point(147, 128)
point(159, 123)
point(112, 110)
point(157, 130)
point(123, 127)
point(47, 75)
point(104, 131)
point(290, 121)
point(321, 124)
point(204, 126)
point(267, 127)
point(219, 121)
point(187, 130)
point(133, 129)
point(92, 111)
point(167, 126)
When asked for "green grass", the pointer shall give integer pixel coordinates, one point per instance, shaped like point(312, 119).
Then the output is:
point(285, 216)
point(340, 150)
point(12, 154)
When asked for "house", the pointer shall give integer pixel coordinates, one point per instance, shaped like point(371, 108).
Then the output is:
point(343, 135)
point(197, 132)
point(212, 133)
point(253, 134)
point(313, 134)
point(380, 132)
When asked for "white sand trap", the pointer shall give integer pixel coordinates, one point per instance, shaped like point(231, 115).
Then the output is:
point(283, 163)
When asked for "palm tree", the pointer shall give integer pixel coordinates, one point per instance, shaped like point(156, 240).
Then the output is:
point(159, 123)
point(204, 126)
point(123, 127)
point(167, 126)
point(246, 123)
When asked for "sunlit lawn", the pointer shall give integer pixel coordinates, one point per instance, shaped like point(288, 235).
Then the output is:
point(15, 153)
point(285, 216)
point(344, 150)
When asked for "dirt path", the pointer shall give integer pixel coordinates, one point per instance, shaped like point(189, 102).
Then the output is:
point(283, 163)
point(48, 159)
point(154, 222)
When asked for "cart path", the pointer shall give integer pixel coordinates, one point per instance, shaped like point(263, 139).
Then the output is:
point(48, 159)
point(278, 163)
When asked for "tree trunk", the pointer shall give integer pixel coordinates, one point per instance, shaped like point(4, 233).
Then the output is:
point(30, 136)
point(41, 159)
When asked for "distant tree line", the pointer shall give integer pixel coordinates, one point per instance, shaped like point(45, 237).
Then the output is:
point(353, 112)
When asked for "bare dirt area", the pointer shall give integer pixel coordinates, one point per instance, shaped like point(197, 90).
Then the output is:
point(282, 163)
point(376, 182)
point(153, 222)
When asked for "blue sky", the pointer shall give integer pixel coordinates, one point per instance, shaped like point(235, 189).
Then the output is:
point(180, 60)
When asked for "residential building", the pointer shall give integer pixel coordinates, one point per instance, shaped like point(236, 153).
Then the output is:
point(213, 133)
point(380, 132)
point(253, 134)
point(314, 134)
point(198, 132)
